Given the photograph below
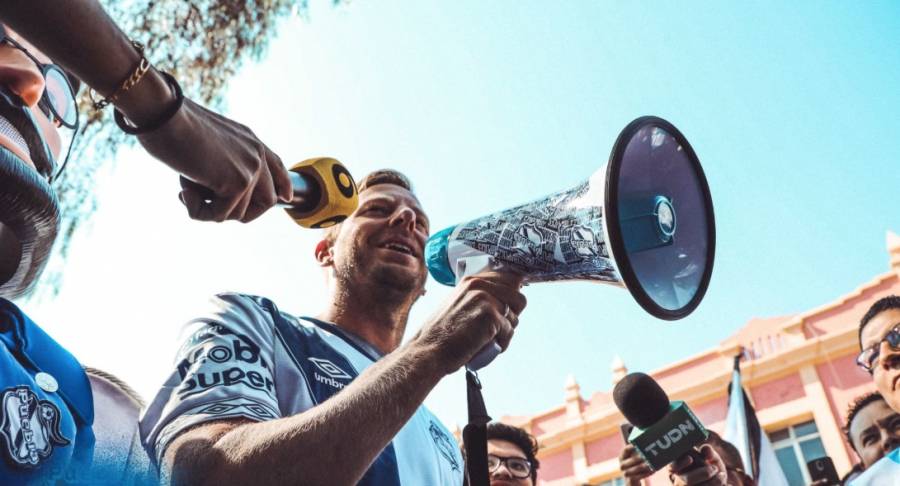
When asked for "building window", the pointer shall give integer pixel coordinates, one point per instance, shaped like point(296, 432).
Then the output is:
point(794, 447)
point(613, 482)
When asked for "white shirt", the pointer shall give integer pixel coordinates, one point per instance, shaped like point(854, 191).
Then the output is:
point(247, 359)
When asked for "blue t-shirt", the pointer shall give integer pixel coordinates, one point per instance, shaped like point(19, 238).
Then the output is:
point(247, 359)
point(46, 408)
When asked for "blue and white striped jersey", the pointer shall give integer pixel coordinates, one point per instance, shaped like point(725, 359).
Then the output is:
point(248, 359)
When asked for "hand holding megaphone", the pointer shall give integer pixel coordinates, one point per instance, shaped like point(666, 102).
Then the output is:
point(643, 221)
point(482, 310)
point(473, 265)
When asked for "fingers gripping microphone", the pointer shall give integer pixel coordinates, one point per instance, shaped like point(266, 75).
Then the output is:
point(324, 193)
point(643, 221)
point(663, 431)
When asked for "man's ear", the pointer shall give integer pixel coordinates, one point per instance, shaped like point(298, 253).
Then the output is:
point(323, 253)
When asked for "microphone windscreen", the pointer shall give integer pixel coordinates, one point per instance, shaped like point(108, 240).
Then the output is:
point(641, 400)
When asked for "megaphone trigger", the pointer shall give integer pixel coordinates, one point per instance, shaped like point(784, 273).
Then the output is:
point(485, 356)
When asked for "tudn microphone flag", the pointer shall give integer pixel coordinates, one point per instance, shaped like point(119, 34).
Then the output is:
point(742, 429)
point(663, 431)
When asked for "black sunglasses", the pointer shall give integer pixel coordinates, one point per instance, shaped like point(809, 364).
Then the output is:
point(518, 467)
point(58, 100)
point(867, 358)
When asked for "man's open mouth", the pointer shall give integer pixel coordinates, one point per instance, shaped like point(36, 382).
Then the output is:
point(399, 247)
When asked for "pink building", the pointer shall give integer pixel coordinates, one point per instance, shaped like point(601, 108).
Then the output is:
point(801, 376)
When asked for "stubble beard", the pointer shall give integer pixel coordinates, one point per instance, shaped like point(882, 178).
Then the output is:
point(380, 282)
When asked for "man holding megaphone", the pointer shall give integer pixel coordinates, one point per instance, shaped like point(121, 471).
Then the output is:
point(259, 396)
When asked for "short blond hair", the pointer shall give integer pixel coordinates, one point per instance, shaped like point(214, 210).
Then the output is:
point(376, 178)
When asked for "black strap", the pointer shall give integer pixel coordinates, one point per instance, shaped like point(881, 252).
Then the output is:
point(162, 119)
point(475, 434)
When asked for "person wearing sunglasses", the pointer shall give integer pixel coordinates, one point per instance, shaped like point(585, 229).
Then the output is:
point(58, 421)
point(226, 171)
point(879, 340)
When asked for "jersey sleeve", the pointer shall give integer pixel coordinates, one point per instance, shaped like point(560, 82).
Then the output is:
point(224, 369)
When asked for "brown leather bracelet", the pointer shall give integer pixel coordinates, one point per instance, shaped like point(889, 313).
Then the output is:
point(134, 78)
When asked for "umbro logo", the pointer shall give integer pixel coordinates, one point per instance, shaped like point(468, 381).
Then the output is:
point(330, 369)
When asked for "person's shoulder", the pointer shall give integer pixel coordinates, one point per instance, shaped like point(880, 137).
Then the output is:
point(247, 316)
point(227, 299)
point(885, 472)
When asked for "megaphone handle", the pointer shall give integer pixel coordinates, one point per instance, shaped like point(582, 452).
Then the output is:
point(484, 357)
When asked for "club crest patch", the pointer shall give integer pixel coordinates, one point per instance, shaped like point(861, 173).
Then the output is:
point(29, 426)
point(444, 444)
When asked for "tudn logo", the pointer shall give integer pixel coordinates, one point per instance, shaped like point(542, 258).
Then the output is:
point(330, 368)
point(671, 437)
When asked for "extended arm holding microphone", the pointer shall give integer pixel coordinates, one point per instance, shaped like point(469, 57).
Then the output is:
point(209, 151)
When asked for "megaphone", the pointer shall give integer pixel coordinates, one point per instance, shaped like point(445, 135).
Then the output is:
point(324, 193)
point(643, 221)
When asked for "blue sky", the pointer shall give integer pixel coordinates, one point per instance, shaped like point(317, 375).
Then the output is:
point(791, 107)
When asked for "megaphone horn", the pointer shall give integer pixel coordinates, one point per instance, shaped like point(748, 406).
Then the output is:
point(643, 221)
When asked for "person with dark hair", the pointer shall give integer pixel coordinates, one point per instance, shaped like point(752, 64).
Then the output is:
point(879, 342)
point(227, 172)
point(260, 396)
point(872, 428)
point(723, 466)
point(512, 455)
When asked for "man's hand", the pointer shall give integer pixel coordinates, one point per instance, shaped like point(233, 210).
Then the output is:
point(227, 172)
point(633, 466)
point(712, 473)
point(243, 177)
point(483, 307)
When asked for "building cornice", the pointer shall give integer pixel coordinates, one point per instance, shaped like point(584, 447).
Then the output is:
point(813, 351)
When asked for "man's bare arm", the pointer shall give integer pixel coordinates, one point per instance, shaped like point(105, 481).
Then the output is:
point(86, 41)
point(335, 442)
point(211, 152)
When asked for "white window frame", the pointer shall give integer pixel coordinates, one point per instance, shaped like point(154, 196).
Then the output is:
point(794, 441)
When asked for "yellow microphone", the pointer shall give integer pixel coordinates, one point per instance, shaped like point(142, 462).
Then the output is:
point(324, 193)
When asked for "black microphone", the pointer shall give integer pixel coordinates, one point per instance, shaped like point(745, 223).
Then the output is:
point(663, 431)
